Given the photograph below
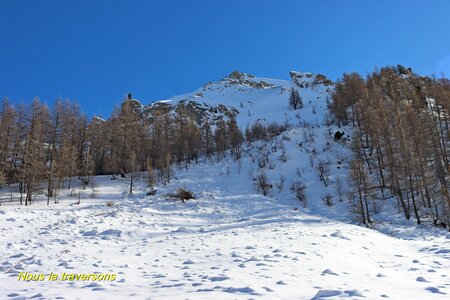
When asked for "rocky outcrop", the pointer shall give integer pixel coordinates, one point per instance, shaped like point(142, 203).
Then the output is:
point(199, 112)
point(239, 75)
point(240, 78)
point(309, 80)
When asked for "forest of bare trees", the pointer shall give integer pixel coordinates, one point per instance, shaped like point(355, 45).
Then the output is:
point(48, 144)
point(400, 142)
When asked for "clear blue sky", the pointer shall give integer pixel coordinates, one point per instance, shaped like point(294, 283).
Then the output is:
point(95, 52)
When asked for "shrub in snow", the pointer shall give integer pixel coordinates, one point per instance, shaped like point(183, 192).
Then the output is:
point(328, 200)
point(285, 138)
point(183, 195)
point(323, 171)
point(280, 185)
point(261, 162)
point(298, 188)
point(295, 100)
point(338, 135)
point(151, 192)
point(262, 183)
point(283, 157)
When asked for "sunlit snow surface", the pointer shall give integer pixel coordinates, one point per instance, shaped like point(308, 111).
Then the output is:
point(230, 242)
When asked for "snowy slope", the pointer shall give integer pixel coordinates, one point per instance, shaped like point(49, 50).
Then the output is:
point(268, 103)
point(231, 242)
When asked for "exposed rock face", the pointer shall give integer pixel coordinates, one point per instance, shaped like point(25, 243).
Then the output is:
point(192, 109)
point(133, 103)
point(309, 80)
point(237, 77)
point(199, 112)
point(157, 109)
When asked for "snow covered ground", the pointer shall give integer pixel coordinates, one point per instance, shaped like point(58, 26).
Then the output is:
point(229, 243)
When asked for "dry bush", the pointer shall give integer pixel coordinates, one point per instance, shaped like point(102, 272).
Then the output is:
point(182, 194)
point(151, 192)
point(328, 199)
point(298, 188)
point(262, 183)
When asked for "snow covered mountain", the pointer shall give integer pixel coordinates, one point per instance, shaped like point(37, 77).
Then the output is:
point(251, 99)
point(233, 241)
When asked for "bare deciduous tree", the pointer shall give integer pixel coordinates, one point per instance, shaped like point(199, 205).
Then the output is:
point(262, 183)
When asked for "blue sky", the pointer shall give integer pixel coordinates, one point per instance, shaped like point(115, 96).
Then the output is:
point(95, 52)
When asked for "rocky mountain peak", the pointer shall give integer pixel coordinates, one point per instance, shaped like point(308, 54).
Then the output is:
point(240, 78)
point(309, 80)
point(239, 75)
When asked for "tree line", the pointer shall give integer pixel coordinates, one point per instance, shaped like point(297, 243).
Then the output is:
point(39, 144)
point(400, 144)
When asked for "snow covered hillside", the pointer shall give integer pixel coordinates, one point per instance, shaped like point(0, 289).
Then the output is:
point(229, 243)
point(248, 234)
point(262, 99)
